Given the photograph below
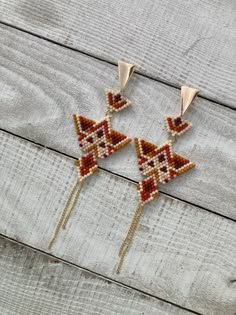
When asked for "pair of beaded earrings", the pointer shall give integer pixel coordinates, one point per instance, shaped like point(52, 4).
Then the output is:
point(158, 163)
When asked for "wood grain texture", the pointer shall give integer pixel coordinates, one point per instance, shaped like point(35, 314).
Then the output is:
point(42, 85)
point(180, 253)
point(179, 42)
point(34, 284)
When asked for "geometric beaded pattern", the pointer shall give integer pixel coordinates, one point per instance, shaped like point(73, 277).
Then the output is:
point(115, 101)
point(177, 125)
point(98, 137)
point(147, 189)
point(160, 161)
point(86, 165)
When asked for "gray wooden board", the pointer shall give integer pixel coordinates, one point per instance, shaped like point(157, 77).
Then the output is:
point(180, 253)
point(36, 284)
point(41, 85)
point(178, 42)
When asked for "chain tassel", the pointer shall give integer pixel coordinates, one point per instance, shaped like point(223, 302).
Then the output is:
point(67, 210)
point(129, 237)
point(79, 186)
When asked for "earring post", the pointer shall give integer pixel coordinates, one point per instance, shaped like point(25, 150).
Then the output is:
point(126, 71)
point(188, 94)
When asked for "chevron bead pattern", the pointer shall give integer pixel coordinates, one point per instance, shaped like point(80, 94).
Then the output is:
point(115, 101)
point(177, 125)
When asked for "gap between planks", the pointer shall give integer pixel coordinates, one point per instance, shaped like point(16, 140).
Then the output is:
point(118, 175)
point(95, 273)
point(111, 63)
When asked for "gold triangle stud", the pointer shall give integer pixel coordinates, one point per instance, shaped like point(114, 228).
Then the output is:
point(126, 71)
point(187, 96)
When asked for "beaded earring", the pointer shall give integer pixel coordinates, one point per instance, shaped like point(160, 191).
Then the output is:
point(97, 140)
point(159, 164)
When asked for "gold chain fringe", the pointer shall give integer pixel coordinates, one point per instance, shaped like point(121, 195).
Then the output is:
point(72, 206)
point(129, 237)
point(65, 212)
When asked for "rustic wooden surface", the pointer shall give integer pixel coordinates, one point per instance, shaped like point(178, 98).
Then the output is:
point(181, 253)
point(184, 250)
point(32, 283)
point(186, 41)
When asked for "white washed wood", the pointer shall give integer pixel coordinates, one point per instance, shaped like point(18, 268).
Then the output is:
point(180, 42)
point(41, 85)
point(180, 253)
point(32, 283)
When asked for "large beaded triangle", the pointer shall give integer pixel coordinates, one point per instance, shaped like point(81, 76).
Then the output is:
point(160, 161)
point(98, 137)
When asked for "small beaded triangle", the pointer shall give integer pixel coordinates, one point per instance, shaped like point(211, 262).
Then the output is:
point(177, 125)
point(116, 101)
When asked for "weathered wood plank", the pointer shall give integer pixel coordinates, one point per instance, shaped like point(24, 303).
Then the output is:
point(32, 283)
point(180, 253)
point(191, 42)
point(41, 85)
